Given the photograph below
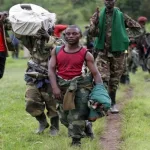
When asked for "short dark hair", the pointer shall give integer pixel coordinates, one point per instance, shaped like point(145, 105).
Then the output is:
point(74, 26)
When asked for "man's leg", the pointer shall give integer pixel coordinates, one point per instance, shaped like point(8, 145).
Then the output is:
point(51, 112)
point(116, 70)
point(17, 51)
point(2, 63)
point(35, 107)
point(77, 118)
point(103, 65)
point(125, 79)
point(88, 129)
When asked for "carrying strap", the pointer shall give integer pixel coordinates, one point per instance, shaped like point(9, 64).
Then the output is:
point(57, 49)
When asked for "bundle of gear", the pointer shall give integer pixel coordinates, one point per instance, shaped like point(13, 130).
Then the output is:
point(28, 19)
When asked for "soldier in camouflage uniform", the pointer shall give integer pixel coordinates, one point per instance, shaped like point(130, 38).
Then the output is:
point(38, 94)
point(141, 43)
point(131, 62)
point(109, 28)
point(124, 79)
point(70, 88)
point(133, 57)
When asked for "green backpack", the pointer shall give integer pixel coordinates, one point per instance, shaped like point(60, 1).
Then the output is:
point(57, 49)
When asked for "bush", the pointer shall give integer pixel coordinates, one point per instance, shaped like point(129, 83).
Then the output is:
point(67, 19)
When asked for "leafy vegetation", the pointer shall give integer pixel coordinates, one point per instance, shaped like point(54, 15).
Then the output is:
point(79, 11)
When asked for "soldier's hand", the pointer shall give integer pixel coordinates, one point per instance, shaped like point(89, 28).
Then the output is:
point(57, 93)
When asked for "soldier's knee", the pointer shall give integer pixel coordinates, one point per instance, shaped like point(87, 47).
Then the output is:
point(34, 108)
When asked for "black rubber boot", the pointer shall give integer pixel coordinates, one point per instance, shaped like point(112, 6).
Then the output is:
point(43, 124)
point(113, 108)
point(76, 142)
point(125, 79)
point(88, 130)
point(54, 126)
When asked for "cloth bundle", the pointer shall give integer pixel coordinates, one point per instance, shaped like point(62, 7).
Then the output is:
point(27, 19)
point(99, 102)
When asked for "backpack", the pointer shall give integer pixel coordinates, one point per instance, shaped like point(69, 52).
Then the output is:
point(57, 49)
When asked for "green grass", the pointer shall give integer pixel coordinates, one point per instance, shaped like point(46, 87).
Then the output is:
point(136, 122)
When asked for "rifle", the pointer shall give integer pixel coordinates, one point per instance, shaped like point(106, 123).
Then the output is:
point(36, 75)
point(97, 15)
point(37, 68)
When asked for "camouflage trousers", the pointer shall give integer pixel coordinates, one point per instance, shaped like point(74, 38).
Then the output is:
point(125, 78)
point(125, 66)
point(39, 99)
point(74, 119)
point(111, 69)
point(133, 60)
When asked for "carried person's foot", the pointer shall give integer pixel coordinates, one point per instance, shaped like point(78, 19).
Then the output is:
point(114, 110)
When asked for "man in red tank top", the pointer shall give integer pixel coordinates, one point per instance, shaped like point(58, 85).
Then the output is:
point(68, 83)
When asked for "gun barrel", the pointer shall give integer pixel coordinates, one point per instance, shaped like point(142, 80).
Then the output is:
point(36, 75)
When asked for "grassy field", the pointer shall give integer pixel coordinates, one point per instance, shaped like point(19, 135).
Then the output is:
point(136, 123)
point(17, 127)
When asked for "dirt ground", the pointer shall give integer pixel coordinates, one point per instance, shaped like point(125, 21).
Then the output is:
point(111, 138)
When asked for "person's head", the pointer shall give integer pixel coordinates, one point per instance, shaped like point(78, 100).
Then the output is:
point(72, 34)
point(109, 3)
point(142, 20)
point(2, 16)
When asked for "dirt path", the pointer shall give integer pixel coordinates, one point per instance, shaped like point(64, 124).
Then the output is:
point(111, 138)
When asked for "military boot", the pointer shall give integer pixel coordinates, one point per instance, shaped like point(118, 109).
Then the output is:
point(76, 142)
point(125, 79)
point(54, 126)
point(43, 124)
point(113, 108)
point(88, 130)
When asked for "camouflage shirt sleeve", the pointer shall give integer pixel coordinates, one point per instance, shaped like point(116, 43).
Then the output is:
point(133, 27)
point(94, 30)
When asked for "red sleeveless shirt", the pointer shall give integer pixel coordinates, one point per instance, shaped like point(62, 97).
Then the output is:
point(69, 65)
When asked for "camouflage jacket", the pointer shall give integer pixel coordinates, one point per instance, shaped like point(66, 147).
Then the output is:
point(133, 28)
point(39, 47)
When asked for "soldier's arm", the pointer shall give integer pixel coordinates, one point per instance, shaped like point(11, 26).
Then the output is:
point(133, 27)
point(94, 21)
point(93, 69)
